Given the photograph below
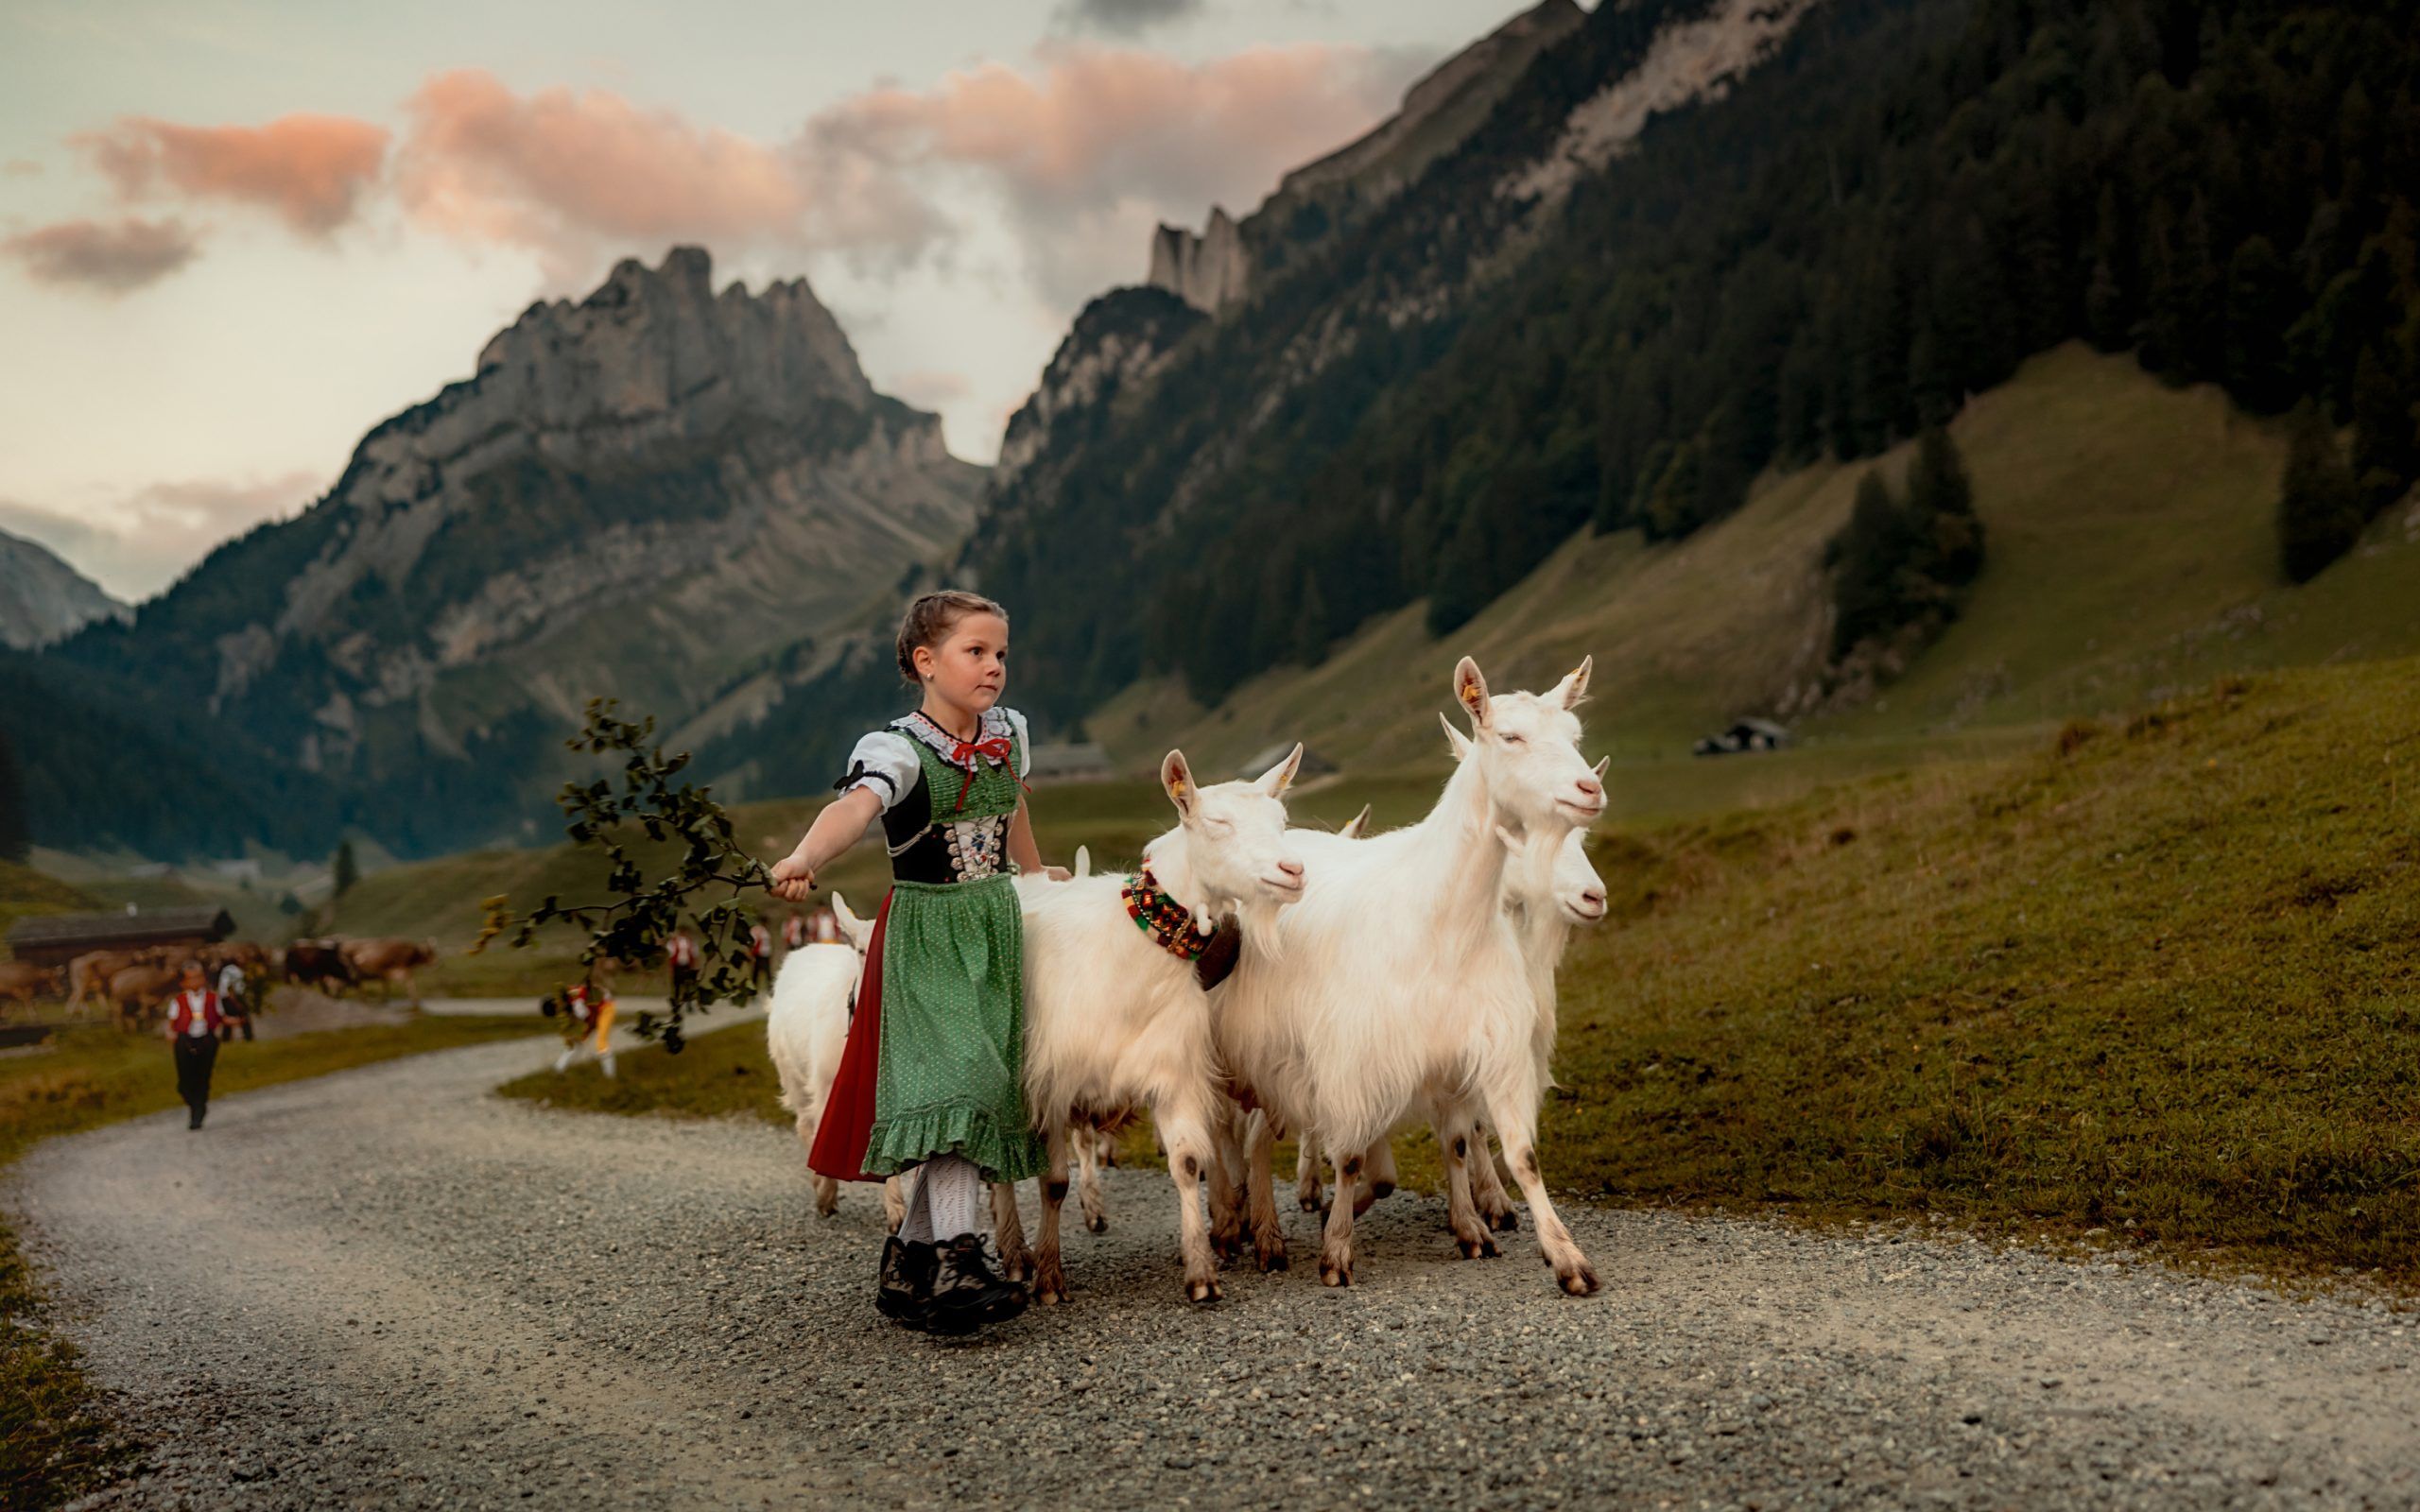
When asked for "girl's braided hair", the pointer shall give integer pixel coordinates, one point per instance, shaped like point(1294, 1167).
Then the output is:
point(930, 619)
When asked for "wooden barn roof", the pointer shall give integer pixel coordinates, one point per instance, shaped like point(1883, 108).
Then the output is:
point(121, 931)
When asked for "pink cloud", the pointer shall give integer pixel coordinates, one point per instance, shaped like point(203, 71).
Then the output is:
point(1100, 137)
point(570, 175)
point(103, 257)
point(310, 170)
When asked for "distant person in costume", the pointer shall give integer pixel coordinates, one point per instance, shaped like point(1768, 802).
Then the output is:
point(588, 1020)
point(824, 928)
point(234, 1000)
point(931, 1083)
point(760, 954)
point(682, 953)
point(192, 1026)
point(793, 931)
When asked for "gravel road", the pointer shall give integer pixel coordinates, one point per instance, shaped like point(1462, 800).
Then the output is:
point(386, 1288)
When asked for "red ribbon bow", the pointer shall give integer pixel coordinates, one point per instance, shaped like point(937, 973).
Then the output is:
point(998, 749)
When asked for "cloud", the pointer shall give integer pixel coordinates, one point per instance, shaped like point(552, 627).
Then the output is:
point(311, 171)
point(137, 544)
point(1099, 141)
point(575, 176)
point(930, 388)
point(109, 258)
point(1123, 18)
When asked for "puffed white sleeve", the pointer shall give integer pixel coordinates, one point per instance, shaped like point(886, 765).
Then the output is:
point(1024, 741)
point(884, 762)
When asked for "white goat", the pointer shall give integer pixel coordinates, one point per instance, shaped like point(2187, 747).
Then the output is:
point(1116, 1023)
point(1549, 890)
point(1398, 979)
point(805, 1030)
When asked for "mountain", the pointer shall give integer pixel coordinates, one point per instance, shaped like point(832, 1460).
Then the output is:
point(1218, 265)
point(652, 493)
point(1697, 244)
point(41, 598)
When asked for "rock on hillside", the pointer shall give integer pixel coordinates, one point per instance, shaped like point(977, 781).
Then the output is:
point(643, 494)
point(41, 598)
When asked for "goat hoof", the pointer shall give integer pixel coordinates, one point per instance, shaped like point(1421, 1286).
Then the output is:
point(1332, 1274)
point(1505, 1222)
point(1205, 1291)
point(1580, 1281)
point(1309, 1200)
point(1098, 1226)
point(1272, 1259)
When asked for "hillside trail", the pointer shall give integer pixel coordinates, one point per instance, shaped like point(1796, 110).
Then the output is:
point(388, 1288)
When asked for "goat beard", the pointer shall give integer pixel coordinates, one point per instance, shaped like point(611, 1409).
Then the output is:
point(1258, 919)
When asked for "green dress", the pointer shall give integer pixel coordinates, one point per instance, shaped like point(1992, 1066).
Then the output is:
point(952, 988)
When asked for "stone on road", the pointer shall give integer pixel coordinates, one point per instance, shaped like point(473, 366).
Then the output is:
point(388, 1288)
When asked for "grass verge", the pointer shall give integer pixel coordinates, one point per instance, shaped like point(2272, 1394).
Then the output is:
point(54, 1440)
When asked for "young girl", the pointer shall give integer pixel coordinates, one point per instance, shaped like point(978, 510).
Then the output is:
point(932, 1080)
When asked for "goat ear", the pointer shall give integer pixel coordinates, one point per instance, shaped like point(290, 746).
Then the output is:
point(1574, 686)
point(1472, 690)
point(1354, 826)
point(1455, 738)
point(1083, 860)
point(1279, 777)
point(1178, 779)
point(853, 929)
point(1602, 762)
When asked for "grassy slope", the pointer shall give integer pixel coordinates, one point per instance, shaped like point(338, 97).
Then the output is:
point(2131, 548)
point(2160, 984)
point(25, 893)
point(55, 1441)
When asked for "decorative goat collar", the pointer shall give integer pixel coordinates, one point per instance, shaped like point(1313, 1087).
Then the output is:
point(1161, 917)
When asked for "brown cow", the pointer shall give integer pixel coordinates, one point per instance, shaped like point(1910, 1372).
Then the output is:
point(317, 963)
point(22, 981)
point(88, 975)
point(389, 961)
point(137, 989)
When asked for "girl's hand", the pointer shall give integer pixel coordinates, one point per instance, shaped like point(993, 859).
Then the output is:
point(1058, 873)
point(793, 879)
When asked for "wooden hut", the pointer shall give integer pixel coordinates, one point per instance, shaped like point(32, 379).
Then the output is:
point(56, 939)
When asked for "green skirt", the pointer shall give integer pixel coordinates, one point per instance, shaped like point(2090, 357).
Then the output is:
point(952, 993)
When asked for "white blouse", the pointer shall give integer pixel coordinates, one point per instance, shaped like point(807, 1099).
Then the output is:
point(885, 761)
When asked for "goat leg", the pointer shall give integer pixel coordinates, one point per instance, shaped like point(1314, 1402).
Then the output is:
point(1088, 1147)
point(1310, 1194)
point(1516, 1120)
point(1268, 1234)
point(1049, 1276)
point(1191, 1157)
point(1008, 1232)
point(1336, 1247)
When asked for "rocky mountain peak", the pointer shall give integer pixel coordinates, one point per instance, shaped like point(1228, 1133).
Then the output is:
point(43, 599)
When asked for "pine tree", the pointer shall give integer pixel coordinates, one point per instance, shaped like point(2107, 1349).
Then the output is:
point(2262, 304)
point(2319, 512)
point(1865, 559)
point(1941, 500)
point(1310, 623)
point(347, 870)
point(2385, 449)
point(16, 837)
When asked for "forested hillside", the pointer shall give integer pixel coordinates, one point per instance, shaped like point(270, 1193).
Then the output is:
point(1881, 222)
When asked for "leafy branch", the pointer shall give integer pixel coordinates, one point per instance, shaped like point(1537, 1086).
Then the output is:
point(630, 929)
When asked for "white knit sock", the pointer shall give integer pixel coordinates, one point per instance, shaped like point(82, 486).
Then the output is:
point(955, 1187)
point(916, 1226)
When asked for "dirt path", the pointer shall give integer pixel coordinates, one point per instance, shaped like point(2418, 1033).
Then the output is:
point(386, 1288)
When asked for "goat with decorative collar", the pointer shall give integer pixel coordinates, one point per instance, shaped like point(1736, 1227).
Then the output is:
point(1118, 1022)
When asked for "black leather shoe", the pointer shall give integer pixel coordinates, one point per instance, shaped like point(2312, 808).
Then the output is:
point(967, 1292)
point(904, 1291)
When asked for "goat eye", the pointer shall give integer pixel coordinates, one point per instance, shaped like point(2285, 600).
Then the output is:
point(1516, 740)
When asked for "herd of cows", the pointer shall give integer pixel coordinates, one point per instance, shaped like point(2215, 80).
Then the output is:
point(137, 984)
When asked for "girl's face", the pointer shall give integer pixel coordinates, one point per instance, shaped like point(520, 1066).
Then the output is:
point(969, 667)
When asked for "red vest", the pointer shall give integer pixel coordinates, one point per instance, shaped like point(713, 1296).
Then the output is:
point(183, 1007)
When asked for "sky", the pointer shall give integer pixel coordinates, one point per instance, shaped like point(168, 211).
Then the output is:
point(236, 235)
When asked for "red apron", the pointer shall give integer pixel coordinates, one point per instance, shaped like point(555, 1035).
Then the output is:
point(847, 1125)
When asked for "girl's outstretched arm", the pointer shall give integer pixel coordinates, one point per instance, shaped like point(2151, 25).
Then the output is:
point(834, 830)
